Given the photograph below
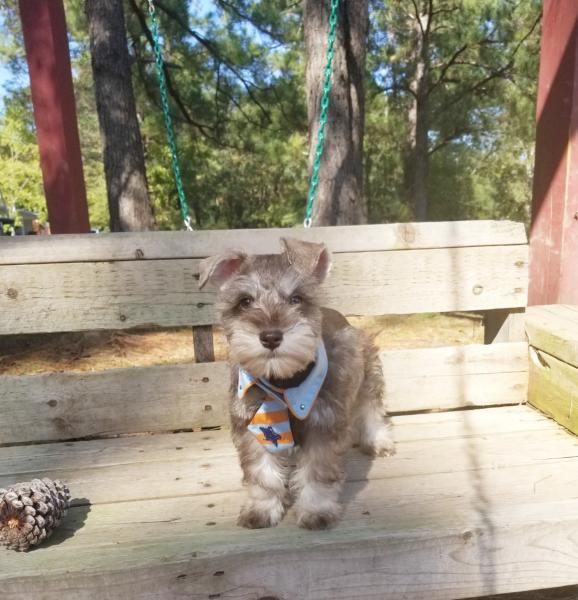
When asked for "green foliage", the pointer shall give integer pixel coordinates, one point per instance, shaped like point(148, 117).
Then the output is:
point(481, 65)
point(237, 95)
point(20, 177)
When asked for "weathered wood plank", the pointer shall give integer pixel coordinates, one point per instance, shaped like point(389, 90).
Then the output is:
point(169, 397)
point(553, 380)
point(504, 325)
point(447, 392)
point(186, 464)
point(203, 343)
point(488, 531)
point(553, 388)
point(425, 556)
point(453, 377)
point(459, 524)
point(70, 405)
point(469, 359)
point(569, 592)
point(120, 295)
point(524, 478)
point(554, 329)
point(443, 426)
point(555, 182)
point(439, 426)
point(178, 244)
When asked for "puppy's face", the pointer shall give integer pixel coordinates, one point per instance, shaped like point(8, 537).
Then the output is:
point(268, 306)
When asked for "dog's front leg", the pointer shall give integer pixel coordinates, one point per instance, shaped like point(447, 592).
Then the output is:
point(318, 479)
point(264, 473)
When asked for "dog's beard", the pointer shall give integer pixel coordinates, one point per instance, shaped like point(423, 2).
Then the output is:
point(295, 353)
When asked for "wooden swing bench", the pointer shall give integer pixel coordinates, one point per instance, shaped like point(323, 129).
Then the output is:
point(481, 498)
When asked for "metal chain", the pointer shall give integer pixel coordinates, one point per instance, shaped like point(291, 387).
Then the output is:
point(167, 117)
point(323, 115)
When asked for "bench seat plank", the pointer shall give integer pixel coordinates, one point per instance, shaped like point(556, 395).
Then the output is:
point(470, 512)
point(129, 468)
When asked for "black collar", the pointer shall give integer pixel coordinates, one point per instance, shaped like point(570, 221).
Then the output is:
point(294, 380)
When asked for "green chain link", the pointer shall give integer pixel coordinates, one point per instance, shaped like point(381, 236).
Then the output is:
point(167, 117)
point(323, 115)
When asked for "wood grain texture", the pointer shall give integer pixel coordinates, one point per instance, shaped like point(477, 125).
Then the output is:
point(169, 397)
point(453, 377)
point(554, 329)
point(554, 238)
point(499, 519)
point(439, 427)
point(504, 325)
point(71, 405)
point(203, 343)
point(180, 244)
point(186, 464)
point(562, 593)
point(553, 388)
point(121, 295)
point(55, 122)
point(187, 556)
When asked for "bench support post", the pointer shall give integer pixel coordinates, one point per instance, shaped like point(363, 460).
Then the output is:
point(203, 343)
point(504, 325)
point(46, 42)
point(554, 233)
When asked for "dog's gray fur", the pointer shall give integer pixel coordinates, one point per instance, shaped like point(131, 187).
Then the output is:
point(279, 291)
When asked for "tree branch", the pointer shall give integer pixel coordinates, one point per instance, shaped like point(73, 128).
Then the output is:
point(170, 87)
point(213, 50)
point(430, 15)
point(501, 72)
point(443, 11)
point(274, 35)
point(458, 133)
point(418, 16)
point(447, 66)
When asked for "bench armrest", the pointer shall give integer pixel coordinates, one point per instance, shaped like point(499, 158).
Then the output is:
point(553, 382)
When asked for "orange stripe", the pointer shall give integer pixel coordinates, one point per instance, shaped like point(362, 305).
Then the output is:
point(286, 438)
point(276, 416)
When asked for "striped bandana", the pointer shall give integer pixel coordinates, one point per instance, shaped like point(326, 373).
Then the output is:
point(271, 425)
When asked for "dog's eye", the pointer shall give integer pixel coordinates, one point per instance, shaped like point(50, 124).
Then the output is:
point(245, 302)
point(295, 299)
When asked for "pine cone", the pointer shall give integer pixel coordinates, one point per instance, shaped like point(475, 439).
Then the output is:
point(29, 512)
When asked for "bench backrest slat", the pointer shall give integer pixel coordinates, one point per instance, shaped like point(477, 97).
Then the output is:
point(464, 271)
point(199, 244)
point(120, 281)
point(160, 398)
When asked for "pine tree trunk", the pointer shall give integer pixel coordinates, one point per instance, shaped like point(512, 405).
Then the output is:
point(419, 122)
point(340, 198)
point(128, 200)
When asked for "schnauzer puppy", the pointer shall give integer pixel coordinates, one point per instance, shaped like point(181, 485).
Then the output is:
point(305, 384)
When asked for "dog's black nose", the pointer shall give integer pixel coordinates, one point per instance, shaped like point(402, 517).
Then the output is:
point(271, 339)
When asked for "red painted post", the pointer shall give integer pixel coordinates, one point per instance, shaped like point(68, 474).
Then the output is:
point(554, 234)
point(46, 43)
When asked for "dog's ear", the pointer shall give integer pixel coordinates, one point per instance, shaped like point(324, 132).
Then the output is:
point(218, 269)
point(307, 257)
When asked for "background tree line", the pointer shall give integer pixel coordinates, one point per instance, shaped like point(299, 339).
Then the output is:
point(439, 94)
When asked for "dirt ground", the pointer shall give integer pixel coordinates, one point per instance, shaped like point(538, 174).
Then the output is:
point(97, 351)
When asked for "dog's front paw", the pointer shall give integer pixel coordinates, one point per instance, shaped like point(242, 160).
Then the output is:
point(378, 441)
point(254, 516)
point(325, 519)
